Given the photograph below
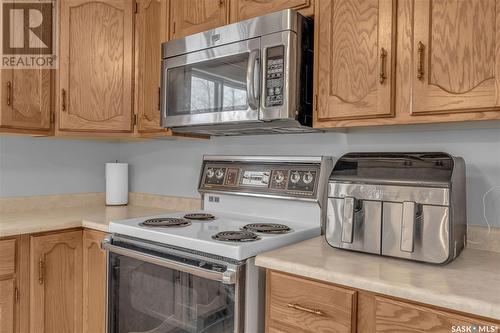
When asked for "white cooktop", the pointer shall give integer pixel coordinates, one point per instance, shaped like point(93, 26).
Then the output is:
point(198, 236)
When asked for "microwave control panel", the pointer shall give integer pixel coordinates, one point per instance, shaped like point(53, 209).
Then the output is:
point(275, 72)
point(289, 180)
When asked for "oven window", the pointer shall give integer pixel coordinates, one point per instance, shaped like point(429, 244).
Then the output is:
point(144, 297)
point(210, 86)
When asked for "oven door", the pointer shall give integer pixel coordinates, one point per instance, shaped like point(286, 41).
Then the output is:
point(155, 289)
point(212, 86)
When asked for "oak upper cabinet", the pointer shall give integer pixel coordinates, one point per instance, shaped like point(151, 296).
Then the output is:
point(245, 9)
point(151, 30)
point(95, 79)
point(455, 58)
point(94, 282)
point(56, 282)
point(191, 16)
point(354, 59)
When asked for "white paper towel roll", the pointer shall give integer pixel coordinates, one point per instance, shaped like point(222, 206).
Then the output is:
point(116, 183)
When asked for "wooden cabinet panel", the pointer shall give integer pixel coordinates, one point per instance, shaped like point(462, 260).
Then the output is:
point(379, 314)
point(298, 305)
point(354, 57)
point(191, 16)
point(7, 256)
point(96, 65)
point(94, 282)
point(454, 56)
point(27, 99)
point(245, 9)
point(7, 306)
point(56, 282)
point(151, 30)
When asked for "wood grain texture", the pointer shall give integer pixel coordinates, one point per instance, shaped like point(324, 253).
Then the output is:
point(7, 257)
point(23, 284)
point(245, 9)
point(380, 314)
point(94, 282)
point(191, 16)
point(7, 306)
point(151, 30)
point(350, 36)
point(337, 306)
point(96, 65)
point(56, 301)
point(461, 39)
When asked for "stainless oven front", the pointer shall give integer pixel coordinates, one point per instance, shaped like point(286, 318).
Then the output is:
point(153, 288)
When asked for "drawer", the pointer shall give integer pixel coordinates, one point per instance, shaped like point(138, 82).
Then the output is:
point(7, 256)
point(295, 304)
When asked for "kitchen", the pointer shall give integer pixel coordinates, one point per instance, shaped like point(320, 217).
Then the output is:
point(377, 94)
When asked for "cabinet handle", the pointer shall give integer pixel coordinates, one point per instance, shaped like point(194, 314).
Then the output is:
point(221, 3)
point(41, 268)
point(304, 309)
point(63, 97)
point(420, 67)
point(383, 58)
point(9, 93)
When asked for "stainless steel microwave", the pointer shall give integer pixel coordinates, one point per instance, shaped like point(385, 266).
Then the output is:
point(249, 77)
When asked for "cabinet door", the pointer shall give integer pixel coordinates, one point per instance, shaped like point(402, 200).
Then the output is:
point(7, 306)
point(379, 314)
point(245, 9)
point(56, 282)
point(191, 16)
point(26, 99)
point(456, 63)
point(96, 66)
point(151, 31)
point(354, 57)
point(94, 282)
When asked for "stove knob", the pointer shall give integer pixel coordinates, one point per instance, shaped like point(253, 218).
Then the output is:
point(210, 173)
point(219, 173)
point(295, 177)
point(308, 178)
point(279, 177)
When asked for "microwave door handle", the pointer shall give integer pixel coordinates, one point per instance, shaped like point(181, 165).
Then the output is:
point(252, 81)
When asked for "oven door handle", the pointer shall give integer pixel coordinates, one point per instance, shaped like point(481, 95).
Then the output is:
point(252, 81)
point(227, 277)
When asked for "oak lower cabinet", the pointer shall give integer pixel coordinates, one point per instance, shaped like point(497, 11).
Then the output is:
point(191, 16)
point(354, 55)
point(56, 282)
point(297, 304)
point(94, 282)
point(8, 286)
point(96, 66)
point(245, 9)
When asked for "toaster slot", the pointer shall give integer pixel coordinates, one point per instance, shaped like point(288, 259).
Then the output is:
point(354, 224)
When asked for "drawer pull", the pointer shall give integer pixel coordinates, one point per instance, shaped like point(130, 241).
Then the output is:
point(301, 308)
point(383, 57)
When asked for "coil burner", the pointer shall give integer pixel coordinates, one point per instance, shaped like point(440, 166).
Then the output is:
point(167, 222)
point(267, 228)
point(235, 236)
point(199, 216)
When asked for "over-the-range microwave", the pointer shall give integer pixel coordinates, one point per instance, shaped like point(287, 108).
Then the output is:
point(250, 77)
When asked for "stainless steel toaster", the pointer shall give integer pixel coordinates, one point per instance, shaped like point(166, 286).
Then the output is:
point(405, 205)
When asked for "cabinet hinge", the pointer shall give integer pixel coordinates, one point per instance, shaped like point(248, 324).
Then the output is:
point(16, 294)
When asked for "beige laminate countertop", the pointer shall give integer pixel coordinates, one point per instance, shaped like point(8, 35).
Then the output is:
point(94, 217)
point(471, 283)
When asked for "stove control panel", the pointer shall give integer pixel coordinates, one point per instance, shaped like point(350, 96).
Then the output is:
point(281, 179)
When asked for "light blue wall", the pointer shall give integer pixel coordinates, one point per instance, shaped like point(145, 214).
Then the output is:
point(34, 166)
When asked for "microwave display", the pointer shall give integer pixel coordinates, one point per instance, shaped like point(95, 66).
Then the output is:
point(275, 76)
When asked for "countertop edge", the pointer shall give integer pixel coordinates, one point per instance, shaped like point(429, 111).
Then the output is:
point(420, 295)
